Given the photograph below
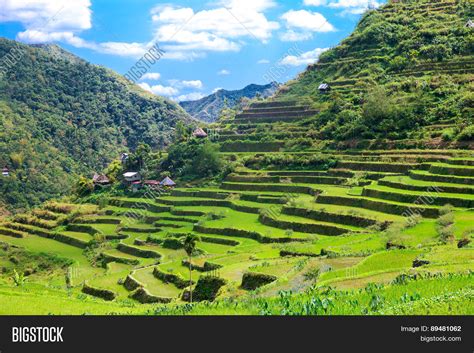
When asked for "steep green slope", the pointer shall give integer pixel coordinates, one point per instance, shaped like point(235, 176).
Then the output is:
point(208, 108)
point(406, 66)
point(61, 116)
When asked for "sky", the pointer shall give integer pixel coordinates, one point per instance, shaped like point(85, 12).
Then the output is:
point(204, 45)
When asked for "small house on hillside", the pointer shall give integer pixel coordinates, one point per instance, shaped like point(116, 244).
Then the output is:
point(5, 171)
point(324, 88)
point(167, 182)
point(100, 179)
point(199, 133)
point(470, 24)
point(132, 177)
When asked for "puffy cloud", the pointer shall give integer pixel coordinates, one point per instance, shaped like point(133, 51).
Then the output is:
point(193, 96)
point(47, 21)
point(173, 91)
point(192, 84)
point(307, 20)
point(306, 58)
point(152, 76)
point(134, 50)
point(302, 24)
point(181, 29)
point(223, 72)
point(48, 15)
point(160, 90)
point(196, 84)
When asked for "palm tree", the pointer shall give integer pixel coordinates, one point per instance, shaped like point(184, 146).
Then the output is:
point(189, 243)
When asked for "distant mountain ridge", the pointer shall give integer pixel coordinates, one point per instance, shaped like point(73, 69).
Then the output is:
point(208, 108)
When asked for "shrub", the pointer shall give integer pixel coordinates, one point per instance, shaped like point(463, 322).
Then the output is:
point(312, 274)
point(467, 134)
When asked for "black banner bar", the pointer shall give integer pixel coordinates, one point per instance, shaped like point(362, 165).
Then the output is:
point(246, 333)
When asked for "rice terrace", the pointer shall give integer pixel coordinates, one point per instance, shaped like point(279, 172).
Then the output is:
point(347, 191)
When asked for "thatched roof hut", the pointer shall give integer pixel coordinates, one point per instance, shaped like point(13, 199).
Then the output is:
point(167, 182)
point(100, 179)
point(199, 133)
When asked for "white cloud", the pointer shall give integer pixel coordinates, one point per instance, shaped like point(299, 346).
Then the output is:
point(192, 84)
point(307, 20)
point(48, 15)
point(173, 91)
point(307, 58)
point(263, 61)
point(223, 72)
point(193, 96)
point(47, 21)
point(220, 29)
point(302, 24)
point(216, 89)
point(160, 90)
point(152, 76)
point(196, 84)
point(134, 50)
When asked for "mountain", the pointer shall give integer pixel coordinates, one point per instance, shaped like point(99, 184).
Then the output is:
point(406, 72)
point(61, 116)
point(208, 108)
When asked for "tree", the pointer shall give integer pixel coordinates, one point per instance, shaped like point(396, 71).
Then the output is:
point(194, 159)
point(114, 169)
point(207, 161)
point(181, 131)
point(84, 186)
point(189, 244)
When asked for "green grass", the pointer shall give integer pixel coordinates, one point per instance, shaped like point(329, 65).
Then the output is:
point(154, 285)
point(78, 235)
point(387, 261)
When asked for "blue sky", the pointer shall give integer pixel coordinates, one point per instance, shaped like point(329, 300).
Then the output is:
point(208, 44)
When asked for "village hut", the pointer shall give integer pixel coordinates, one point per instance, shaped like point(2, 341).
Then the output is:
point(199, 133)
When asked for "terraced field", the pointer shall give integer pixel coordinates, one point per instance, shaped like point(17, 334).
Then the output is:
point(369, 218)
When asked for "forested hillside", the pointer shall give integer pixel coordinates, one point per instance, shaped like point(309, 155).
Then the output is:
point(209, 108)
point(407, 71)
point(61, 116)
